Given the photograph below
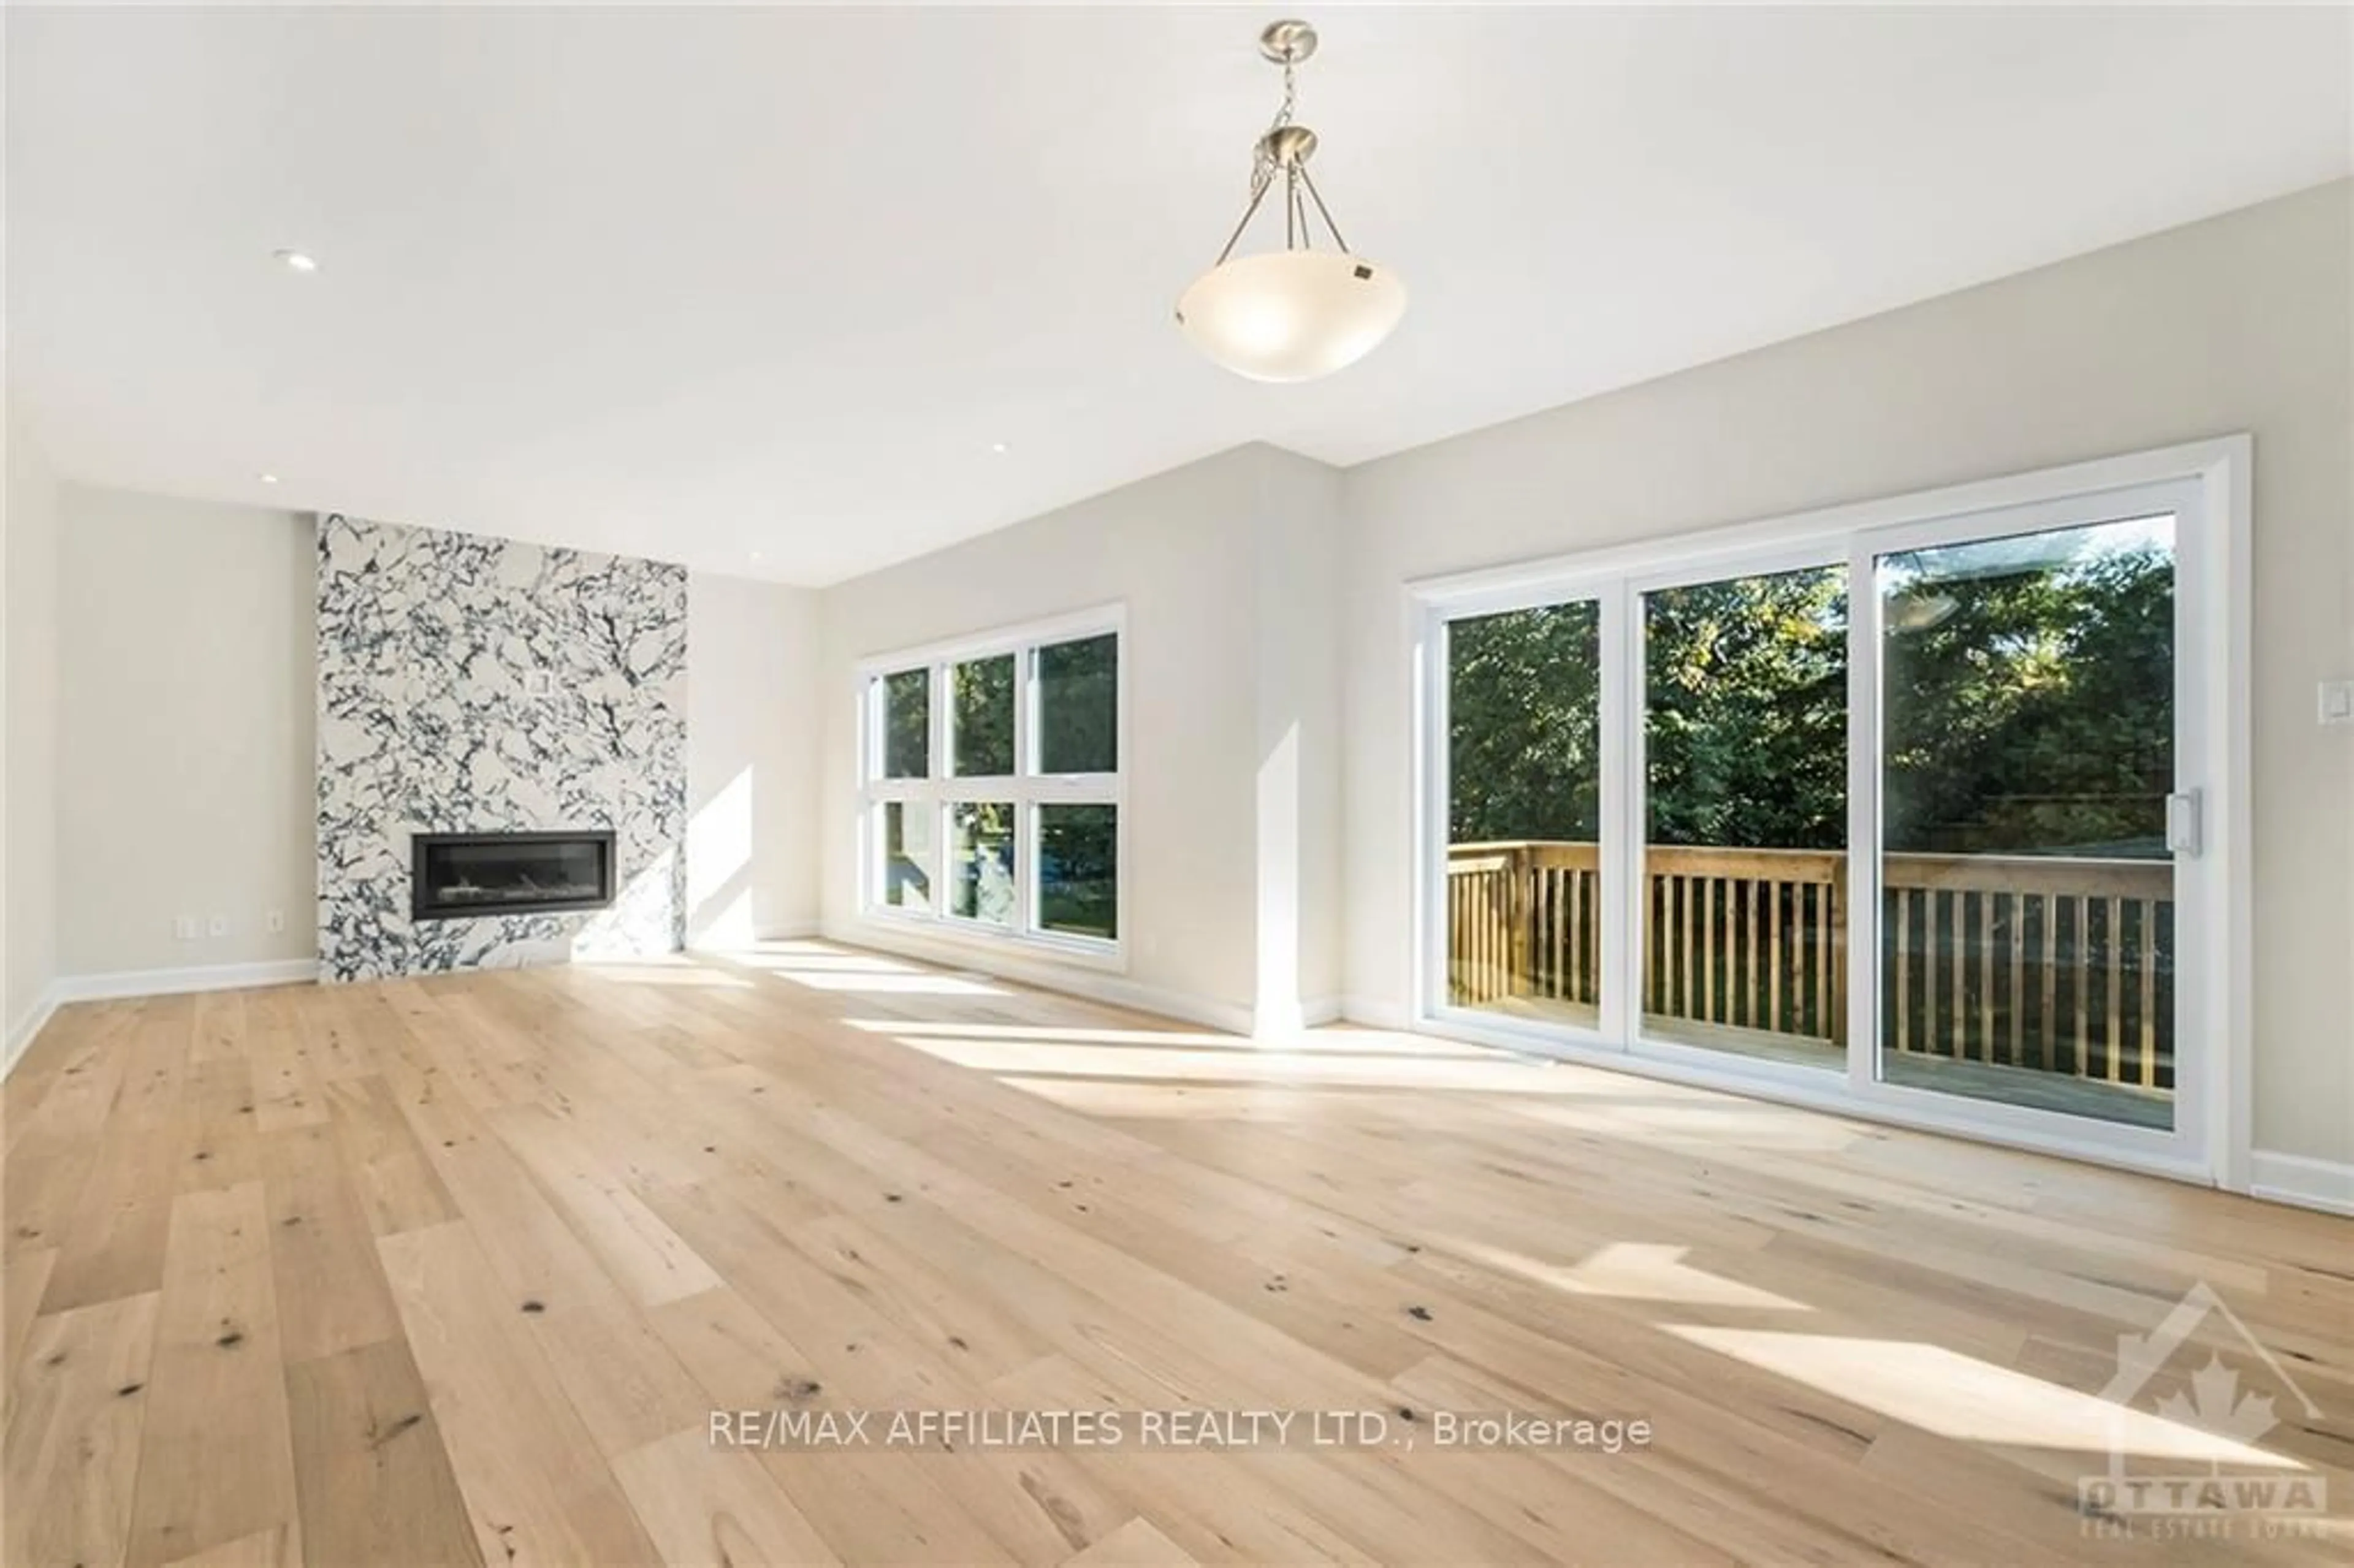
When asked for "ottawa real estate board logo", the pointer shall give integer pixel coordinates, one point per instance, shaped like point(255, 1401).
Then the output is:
point(2184, 1430)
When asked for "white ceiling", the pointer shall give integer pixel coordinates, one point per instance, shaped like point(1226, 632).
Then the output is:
point(698, 284)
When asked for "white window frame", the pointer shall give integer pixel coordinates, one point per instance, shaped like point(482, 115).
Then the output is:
point(1026, 787)
point(2208, 485)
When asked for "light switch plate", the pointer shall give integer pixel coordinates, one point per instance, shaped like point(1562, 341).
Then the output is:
point(2338, 702)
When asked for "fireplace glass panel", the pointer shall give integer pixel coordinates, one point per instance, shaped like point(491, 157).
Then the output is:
point(460, 874)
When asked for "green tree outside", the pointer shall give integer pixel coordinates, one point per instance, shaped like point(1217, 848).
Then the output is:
point(2027, 707)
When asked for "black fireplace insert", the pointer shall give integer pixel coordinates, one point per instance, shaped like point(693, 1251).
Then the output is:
point(454, 875)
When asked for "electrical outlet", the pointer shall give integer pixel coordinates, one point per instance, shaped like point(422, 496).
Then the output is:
point(217, 927)
point(2338, 702)
point(275, 920)
point(185, 927)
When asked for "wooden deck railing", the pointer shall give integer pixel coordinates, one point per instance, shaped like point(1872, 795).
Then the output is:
point(1524, 920)
point(2057, 964)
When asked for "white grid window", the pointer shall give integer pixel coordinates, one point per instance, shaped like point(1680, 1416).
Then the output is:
point(992, 785)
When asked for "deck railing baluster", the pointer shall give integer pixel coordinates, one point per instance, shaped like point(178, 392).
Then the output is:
point(1752, 942)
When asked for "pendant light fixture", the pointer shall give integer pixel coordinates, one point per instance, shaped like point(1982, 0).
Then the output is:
point(1299, 312)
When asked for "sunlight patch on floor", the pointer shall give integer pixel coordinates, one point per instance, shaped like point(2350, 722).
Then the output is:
point(1029, 1055)
point(1629, 1271)
point(1042, 1034)
point(1321, 1042)
point(1163, 1102)
point(1700, 1124)
point(1970, 1401)
point(914, 984)
point(817, 963)
point(680, 974)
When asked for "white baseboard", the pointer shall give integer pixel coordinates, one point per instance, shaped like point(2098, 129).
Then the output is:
point(1376, 1014)
point(2325, 1184)
point(176, 982)
point(24, 1030)
point(790, 931)
point(1317, 1011)
point(1114, 991)
point(1226, 1017)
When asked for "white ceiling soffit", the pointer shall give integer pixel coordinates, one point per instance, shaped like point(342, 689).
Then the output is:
point(765, 291)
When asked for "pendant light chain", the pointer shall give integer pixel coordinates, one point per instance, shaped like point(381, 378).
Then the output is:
point(1263, 161)
point(1263, 164)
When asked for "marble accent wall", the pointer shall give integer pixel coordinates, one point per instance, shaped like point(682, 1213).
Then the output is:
point(469, 684)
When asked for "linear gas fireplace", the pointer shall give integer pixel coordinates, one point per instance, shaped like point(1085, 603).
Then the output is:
point(455, 876)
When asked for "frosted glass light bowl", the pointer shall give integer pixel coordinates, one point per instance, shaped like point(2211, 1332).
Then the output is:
point(1291, 315)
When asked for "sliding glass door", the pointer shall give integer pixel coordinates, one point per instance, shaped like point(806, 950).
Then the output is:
point(1909, 813)
point(2027, 715)
point(1523, 813)
point(1744, 815)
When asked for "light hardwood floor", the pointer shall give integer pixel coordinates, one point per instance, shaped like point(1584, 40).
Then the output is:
point(456, 1270)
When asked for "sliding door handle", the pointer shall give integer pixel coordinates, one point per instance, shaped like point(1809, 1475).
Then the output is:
point(2182, 822)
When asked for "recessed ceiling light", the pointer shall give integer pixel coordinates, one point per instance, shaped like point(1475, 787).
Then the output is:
point(297, 261)
point(269, 479)
point(1000, 447)
point(756, 554)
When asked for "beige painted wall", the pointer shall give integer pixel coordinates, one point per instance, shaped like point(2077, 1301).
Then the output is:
point(1298, 540)
point(186, 768)
point(28, 559)
point(185, 765)
point(1213, 797)
point(2237, 324)
point(752, 742)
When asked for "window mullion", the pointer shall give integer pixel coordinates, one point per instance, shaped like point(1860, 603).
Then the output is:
point(1025, 710)
point(870, 730)
point(943, 727)
point(1082, 789)
point(939, 785)
point(1860, 929)
point(1025, 813)
point(1621, 857)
